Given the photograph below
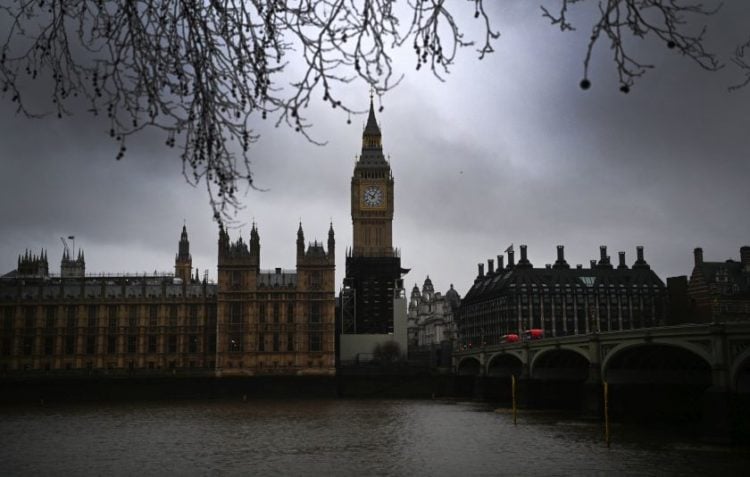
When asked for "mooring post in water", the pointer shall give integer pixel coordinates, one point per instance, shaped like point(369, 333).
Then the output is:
point(513, 394)
point(606, 413)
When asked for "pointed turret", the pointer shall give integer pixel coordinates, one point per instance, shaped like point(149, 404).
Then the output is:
point(72, 268)
point(183, 262)
point(254, 242)
point(183, 247)
point(331, 241)
point(223, 239)
point(371, 137)
point(300, 242)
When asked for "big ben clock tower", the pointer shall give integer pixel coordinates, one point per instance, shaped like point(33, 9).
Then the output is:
point(372, 196)
point(373, 266)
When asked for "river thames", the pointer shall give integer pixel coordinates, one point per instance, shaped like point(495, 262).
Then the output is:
point(338, 437)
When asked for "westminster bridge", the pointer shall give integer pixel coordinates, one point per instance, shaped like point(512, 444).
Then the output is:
point(694, 370)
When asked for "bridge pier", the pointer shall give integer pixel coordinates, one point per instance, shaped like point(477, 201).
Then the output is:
point(717, 400)
point(593, 390)
point(717, 415)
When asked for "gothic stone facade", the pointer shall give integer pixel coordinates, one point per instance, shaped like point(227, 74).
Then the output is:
point(277, 321)
point(75, 323)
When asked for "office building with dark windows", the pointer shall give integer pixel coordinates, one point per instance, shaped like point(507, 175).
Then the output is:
point(719, 291)
point(558, 299)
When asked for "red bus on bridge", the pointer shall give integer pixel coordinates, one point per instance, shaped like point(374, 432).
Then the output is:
point(533, 334)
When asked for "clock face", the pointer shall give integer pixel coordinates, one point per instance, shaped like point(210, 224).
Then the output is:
point(373, 196)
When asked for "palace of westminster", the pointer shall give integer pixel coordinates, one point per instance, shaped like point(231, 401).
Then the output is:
point(258, 322)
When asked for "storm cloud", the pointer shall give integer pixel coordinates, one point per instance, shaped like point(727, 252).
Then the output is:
point(507, 150)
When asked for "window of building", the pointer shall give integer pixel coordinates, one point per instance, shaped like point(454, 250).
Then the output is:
point(235, 315)
point(70, 344)
point(193, 316)
point(132, 344)
point(90, 344)
point(193, 344)
point(29, 318)
point(92, 313)
point(173, 316)
point(49, 346)
point(261, 342)
point(133, 318)
point(236, 280)
point(315, 280)
point(315, 312)
point(111, 345)
point(172, 344)
point(262, 313)
point(70, 318)
point(112, 325)
point(290, 313)
point(316, 342)
point(276, 311)
point(212, 343)
point(290, 342)
point(211, 322)
point(152, 344)
point(235, 343)
point(9, 313)
point(51, 317)
point(28, 345)
point(276, 342)
point(153, 312)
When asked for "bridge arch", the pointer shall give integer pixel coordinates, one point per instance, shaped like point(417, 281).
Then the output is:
point(657, 362)
point(469, 366)
point(563, 363)
point(504, 365)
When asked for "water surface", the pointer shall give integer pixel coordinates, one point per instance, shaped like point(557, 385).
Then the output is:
point(337, 437)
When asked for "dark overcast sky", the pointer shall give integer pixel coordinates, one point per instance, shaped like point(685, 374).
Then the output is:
point(508, 150)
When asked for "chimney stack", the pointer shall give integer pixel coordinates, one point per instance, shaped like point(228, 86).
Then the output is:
point(698, 256)
point(481, 270)
point(640, 262)
point(561, 263)
point(500, 264)
point(524, 262)
point(621, 265)
point(593, 264)
point(490, 266)
point(511, 259)
point(745, 257)
point(604, 258)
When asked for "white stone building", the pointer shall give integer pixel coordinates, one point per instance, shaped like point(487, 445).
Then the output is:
point(431, 317)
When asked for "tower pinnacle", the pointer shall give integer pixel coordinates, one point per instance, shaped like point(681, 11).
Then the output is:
point(371, 137)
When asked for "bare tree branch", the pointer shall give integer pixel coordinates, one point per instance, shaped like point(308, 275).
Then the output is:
point(200, 70)
point(739, 60)
point(618, 19)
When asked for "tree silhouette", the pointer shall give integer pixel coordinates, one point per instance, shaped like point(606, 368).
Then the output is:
point(387, 354)
point(199, 70)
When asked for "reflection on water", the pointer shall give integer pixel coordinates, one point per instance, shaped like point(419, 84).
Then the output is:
point(336, 437)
